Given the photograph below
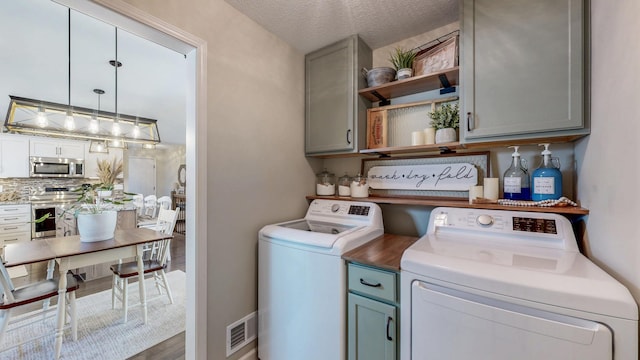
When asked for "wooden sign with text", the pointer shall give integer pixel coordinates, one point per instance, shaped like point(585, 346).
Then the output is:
point(453, 177)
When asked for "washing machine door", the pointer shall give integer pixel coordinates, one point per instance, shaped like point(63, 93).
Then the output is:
point(451, 324)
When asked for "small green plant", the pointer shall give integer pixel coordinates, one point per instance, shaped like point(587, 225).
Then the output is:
point(401, 58)
point(446, 116)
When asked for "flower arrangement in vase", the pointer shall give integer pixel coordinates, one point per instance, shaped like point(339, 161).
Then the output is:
point(446, 120)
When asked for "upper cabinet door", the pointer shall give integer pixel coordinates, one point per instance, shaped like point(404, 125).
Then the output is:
point(334, 112)
point(523, 69)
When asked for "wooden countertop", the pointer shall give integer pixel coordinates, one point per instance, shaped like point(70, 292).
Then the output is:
point(384, 252)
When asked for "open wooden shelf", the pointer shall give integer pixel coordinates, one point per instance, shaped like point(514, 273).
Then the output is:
point(412, 85)
point(442, 148)
point(564, 210)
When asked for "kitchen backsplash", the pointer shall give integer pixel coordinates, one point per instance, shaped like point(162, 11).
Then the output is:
point(27, 186)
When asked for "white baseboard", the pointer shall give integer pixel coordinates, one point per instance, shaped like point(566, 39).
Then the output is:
point(251, 355)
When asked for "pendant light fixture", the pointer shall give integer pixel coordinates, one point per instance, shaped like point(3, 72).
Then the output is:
point(115, 129)
point(39, 117)
point(69, 121)
point(94, 123)
point(97, 146)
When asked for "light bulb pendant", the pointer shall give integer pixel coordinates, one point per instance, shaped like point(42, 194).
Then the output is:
point(69, 121)
point(41, 119)
point(93, 125)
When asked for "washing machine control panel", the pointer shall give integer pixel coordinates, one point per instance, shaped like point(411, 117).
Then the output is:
point(342, 209)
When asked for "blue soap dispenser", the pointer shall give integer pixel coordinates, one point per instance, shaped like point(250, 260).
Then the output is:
point(515, 182)
point(547, 179)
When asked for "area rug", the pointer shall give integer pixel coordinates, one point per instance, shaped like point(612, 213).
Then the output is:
point(101, 333)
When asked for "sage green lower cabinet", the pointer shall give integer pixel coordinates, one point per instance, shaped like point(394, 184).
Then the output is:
point(372, 329)
point(372, 313)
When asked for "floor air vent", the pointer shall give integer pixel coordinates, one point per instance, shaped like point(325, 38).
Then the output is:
point(240, 333)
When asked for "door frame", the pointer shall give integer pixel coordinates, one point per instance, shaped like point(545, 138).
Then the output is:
point(196, 154)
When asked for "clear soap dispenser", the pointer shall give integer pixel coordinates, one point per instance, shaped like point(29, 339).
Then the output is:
point(516, 179)
point(547, 179)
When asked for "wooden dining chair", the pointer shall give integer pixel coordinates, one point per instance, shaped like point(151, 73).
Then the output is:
point(155, 259)
point(41, 291)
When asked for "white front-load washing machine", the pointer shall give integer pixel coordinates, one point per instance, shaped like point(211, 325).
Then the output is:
point(504, 285)
point(302, 279)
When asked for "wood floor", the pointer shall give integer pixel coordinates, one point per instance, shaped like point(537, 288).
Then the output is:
point(171, 349)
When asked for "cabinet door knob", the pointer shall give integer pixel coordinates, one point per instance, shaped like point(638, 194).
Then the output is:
point(389, 320)
point(349, 136)
point(470, 124)
point(366, 283)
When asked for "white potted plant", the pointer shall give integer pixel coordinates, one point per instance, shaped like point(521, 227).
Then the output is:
point(96, 214)
point(445, 120)
point(402, 60)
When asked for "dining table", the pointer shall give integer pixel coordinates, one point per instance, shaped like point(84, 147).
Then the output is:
point(70, 252)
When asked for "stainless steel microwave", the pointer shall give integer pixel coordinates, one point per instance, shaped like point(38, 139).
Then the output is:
point(56, 167)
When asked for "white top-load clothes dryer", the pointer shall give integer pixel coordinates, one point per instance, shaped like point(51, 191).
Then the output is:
point(504, 285)
point(302, 279)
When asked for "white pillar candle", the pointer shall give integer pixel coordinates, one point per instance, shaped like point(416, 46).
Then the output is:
point(475, 191)
point(491, 188)
point(429, 136)
point(417, 138)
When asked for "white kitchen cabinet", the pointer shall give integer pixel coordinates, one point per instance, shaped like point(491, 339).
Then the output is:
point(14, 156)
point(91, 160)
point(335, 115)
point(57, 148)
point(15, 223)
point(523, 69)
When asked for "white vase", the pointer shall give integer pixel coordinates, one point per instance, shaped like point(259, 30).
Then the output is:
point(97, 227)
point(405, 73)
point(446, 135)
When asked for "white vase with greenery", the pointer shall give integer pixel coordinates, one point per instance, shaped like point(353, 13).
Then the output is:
point(445, 119)
point(96, 214)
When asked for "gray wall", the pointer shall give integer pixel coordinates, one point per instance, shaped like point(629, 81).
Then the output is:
point(608, 165)
point(257, 172)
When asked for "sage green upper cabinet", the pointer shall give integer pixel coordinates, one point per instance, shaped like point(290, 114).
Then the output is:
point(523, 69)
point(335, 116)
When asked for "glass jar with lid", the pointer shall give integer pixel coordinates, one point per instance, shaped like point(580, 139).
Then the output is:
point(344, 185)
point(325, 183)
point(359, 187)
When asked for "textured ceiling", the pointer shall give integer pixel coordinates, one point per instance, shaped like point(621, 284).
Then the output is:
point(311, 24)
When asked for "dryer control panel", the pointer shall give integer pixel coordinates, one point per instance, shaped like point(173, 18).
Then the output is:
point(540, 229)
